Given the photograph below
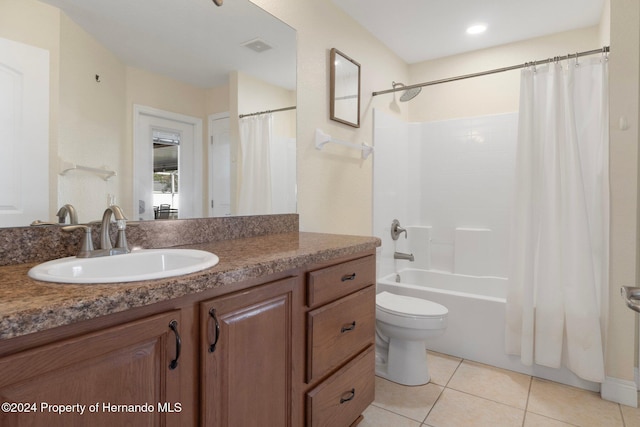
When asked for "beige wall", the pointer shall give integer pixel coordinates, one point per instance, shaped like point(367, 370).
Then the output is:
point(91, 125)
point(624, 83)
point(491, 94)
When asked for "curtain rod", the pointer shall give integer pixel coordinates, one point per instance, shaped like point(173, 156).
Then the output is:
point(267, 111)
point(604, 49)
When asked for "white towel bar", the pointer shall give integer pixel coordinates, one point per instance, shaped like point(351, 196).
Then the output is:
point(322, 138)
point(68, 166)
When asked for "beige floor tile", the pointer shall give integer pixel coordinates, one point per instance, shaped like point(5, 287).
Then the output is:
point(378, 417)
point(500, 385)
point(572, 405)
point(457, 409)
point(442, 367)
point(535, 420)
point(411, 402)
point(631, 416)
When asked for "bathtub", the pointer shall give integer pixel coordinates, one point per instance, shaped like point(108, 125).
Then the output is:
point(476, 322)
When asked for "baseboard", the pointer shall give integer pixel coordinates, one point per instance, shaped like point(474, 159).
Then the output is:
point(620, 391)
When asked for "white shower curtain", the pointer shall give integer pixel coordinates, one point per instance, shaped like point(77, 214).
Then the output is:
point(558, 274)
point(254, 186)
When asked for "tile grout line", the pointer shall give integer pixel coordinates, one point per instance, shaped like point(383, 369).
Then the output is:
point(444, 387)
point(624, 423)
point(526, 406)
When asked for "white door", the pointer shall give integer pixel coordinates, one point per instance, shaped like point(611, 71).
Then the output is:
point(219, 165)
point(24, 134)
point(146, 121)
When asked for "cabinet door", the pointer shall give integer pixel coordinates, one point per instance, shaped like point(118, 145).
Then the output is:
point(247, 374)
point(122, 376)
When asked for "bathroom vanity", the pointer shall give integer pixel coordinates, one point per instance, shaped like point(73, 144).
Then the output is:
point(279, 333)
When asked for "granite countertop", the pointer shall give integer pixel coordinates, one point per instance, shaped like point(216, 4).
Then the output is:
point(28, 305)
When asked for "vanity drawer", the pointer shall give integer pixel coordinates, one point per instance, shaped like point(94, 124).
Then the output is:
point(341, 399)
point(338, 331)
point(333, 282)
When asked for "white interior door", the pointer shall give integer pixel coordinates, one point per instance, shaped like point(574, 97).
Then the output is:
point(219, 165)
point(24, 134)
point(146, 120)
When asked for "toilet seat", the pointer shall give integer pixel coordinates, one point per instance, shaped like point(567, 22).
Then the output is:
point(404, 306)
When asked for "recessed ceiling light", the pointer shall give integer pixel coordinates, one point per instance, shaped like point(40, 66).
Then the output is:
point(477, 29)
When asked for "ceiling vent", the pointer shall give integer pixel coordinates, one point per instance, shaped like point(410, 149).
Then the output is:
point(257, 45)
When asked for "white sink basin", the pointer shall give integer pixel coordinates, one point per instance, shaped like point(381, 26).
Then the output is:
point(145, 264)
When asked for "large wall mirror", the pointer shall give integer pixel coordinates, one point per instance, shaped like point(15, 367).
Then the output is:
point(144, 99)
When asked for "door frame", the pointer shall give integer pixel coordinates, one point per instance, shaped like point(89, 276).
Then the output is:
point(210, 166)
point(139, 151)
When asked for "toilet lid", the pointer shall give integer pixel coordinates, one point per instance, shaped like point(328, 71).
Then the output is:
point(409, 306)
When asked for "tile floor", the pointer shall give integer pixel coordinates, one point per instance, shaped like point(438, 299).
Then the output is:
point(468, 394)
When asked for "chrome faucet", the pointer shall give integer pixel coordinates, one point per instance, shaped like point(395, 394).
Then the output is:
point(67, 209)
point(105, 239)
point(400, 255)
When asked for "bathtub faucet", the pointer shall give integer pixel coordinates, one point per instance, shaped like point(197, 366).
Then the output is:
point(396, 230)
point(400, 255)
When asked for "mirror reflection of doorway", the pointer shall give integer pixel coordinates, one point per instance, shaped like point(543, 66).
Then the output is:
point(167, 168)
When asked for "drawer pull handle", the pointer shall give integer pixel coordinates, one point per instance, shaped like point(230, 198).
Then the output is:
point(212, 313)
point(350, 395)
point(351, 327)
point(348, 277)
point(174, 327)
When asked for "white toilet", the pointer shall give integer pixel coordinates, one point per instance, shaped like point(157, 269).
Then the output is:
point(403, 325)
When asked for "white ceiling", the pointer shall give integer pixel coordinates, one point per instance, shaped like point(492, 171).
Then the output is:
point(419, 30)
point(197, 42)
point(192, 41)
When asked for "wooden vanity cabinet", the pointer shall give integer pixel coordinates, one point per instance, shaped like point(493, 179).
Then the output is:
point(294, 351)
point(136, 363)
point(247, 356)
point(340, 362)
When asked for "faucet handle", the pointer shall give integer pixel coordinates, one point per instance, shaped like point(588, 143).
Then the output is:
point(396, 230)
point(121, 239)
point(87, 243)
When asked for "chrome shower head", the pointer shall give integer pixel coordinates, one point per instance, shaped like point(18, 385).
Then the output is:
point(409, 94)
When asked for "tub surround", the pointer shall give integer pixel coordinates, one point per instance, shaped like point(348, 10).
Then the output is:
point(248, 247)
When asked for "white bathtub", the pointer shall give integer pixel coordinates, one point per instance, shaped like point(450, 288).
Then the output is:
point(475, 329)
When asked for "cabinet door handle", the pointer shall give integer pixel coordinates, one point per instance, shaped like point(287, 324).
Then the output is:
point(349, 396)
point(351, 327)
point(174, 327)
point(212, 313)
point(348, 277)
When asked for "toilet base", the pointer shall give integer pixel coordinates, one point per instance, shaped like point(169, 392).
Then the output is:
point(403, 362)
